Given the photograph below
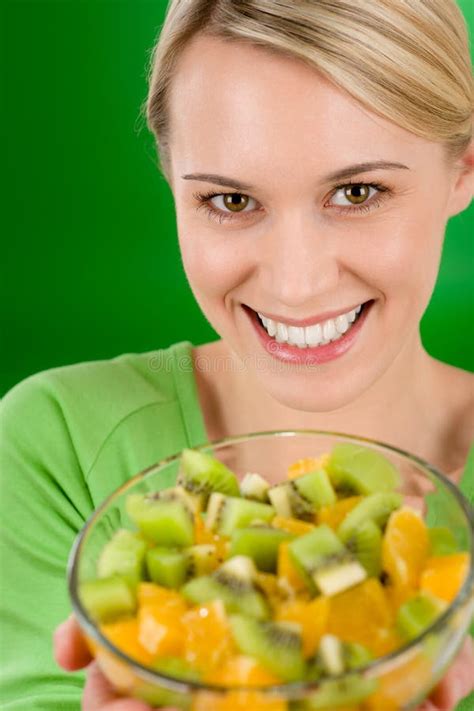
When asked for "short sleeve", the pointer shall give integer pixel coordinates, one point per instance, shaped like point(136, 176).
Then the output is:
point(43, 504)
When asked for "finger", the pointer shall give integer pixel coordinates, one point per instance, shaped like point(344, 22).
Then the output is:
point(99, 695)
point(70, 648)
point(458, 681)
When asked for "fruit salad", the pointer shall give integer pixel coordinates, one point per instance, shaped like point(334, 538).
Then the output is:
point(248, 584)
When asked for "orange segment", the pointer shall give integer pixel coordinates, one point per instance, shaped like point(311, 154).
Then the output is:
point(292, 525)
point(158, 596)
point(444, 575)
point(405, 549)
point(287, 571)
point(202, 535)
point(161, 631)
point(125, 636)
point(306, 465)
point(363, 614)
point(311, 616)
point(237, 701)
point(399, 685)
point(334, 514)
point(208, 640)
point(241, 670)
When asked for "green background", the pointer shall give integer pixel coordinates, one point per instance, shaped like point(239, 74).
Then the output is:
point(90, 261)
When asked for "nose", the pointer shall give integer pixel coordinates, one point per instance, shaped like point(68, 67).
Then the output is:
point(299, 262)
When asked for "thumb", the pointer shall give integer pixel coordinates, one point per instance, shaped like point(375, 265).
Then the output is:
point(70, 648)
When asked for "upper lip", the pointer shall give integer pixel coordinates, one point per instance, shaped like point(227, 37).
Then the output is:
point(312, 320)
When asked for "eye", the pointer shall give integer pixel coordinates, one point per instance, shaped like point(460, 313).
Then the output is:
point(229, 206)
point(353, 194)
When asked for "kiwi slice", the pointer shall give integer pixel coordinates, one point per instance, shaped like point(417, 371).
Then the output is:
point(442, 541)
point(316, 488)
point(276, 645)
point(418, 613)
point(176, 668)
point(254, 486)
point(259, 543)
point(193, 502)
point(366, 544)
point(339, 693)
point(226, 513)
point(123, 555)
point(337, 657)
point(234, 584)
point(324, 562)
point(356, 655)
point(167, 566)
point(167, 523)
point(202, 474)
point(354, 469)
point(289, 503)
point(106, 599)
point(376, 507)
point(202, 559)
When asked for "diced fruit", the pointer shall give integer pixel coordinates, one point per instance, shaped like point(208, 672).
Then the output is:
point(444, 575)
point(208, 642)
point(356, 655)
point(288, 571)
point(234, 584)
point(161, 630)
point(366, 544)
point(202, 474)
point(311, 616)
point(442, 541)
point(167, 566)
point(226, 513)
point(203, 536)
point(418, 613)
point(292, 525)
point(202, 559)
point(242, 670)
point(259, 543)
point(376, 507)
point(363, 615)
point(177, 667)
point(288, 502)
point(405, 549)
point(316, 488)
point(254, 486)
point(123, 555)
point(166, 523)
point(276, 645)
point(335, 514)
point(240, 700)
point(341, 694)
point(124, 634)
point(331, 655)
point(106, 599)
point(152, 594)
point(360, 470)
point(325, 562)
point(306, 465)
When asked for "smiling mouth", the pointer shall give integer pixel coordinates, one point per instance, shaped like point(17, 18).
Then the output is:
point(313, 336)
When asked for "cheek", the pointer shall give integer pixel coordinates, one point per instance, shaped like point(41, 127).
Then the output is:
point(214, 265)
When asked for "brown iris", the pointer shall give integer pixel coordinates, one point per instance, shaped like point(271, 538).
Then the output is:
point(235, 202)
point(356, 193)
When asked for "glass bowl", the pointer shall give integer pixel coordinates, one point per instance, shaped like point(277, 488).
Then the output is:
point(400, 680)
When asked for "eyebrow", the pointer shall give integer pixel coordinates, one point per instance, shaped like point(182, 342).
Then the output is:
point(341, 174)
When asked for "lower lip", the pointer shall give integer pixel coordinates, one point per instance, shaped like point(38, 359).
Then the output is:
point(309, 356)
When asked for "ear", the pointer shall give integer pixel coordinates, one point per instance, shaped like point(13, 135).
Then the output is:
point(462, 189)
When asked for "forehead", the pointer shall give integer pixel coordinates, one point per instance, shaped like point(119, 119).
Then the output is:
point(238, 107)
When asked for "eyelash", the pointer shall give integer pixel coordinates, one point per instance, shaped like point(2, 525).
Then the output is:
point(220, 216)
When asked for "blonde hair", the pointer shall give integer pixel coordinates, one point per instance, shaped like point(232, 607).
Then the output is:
point(407, 60)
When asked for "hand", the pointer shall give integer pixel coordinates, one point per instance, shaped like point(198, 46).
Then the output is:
point(71, 653)
point(456, 684)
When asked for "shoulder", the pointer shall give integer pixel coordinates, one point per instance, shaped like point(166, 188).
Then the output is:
point(85, 402)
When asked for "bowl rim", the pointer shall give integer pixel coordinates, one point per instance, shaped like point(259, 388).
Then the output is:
point(287, 689)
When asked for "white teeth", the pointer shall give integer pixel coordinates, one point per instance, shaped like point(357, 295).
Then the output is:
point(271, 327)
point(342, 324)
point(282, 333)
point(329, 330)
point(311, 336)
point(296, 336)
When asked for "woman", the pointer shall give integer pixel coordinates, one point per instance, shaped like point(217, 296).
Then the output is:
point(315, 151)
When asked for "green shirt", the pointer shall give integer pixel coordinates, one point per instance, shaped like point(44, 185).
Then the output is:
point(69, 437)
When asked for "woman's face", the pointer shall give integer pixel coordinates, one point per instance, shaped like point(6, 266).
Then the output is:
point(295, 241)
